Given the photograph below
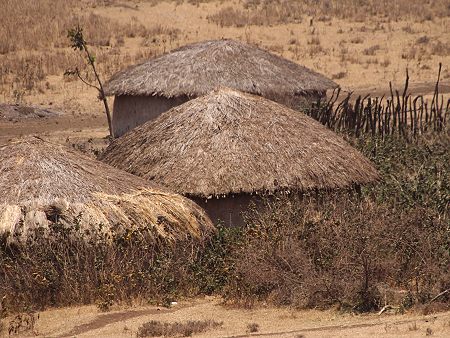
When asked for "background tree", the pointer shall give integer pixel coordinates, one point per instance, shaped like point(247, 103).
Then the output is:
point(79, 43)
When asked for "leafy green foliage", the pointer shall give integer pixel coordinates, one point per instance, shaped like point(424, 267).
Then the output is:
point(76, 37)
point(413, 174)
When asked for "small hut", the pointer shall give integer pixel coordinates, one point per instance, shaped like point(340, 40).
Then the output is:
point(43, 184)
point(224, 147)
point(144, 91)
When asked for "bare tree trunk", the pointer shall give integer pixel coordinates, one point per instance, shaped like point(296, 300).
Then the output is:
point(102, 95)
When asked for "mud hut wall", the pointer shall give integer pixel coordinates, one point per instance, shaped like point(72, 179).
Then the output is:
point(229, 210)
point(131, 111)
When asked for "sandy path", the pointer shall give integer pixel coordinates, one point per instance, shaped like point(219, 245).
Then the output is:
point(84, 125)
point(87, 321)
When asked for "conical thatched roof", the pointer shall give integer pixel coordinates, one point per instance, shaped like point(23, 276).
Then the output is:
point(43, 183)
point(229, 142)
point(196, 69)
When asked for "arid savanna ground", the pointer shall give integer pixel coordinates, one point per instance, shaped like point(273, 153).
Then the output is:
point(87, 321)
point(362, 47)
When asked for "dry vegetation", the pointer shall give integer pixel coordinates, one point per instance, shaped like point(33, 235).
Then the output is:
point(389, 245)
point(186, 329)
point(63, 269)
point(28, 57)
point(32, 61)
point(269, 12)
point(347, 252)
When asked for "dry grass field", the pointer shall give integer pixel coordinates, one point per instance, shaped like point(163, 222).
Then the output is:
point(350, 255)
point(361, 45)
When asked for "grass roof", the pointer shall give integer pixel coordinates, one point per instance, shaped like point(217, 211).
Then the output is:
point(230, 142)
point(196, 69)
point(43, 183)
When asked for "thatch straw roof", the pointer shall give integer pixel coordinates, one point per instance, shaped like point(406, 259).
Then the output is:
point(229, 142)
point(43, 183)
point(196, 69)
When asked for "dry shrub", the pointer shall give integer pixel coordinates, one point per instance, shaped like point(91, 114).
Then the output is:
point(63, 268)
point(27, 56)
point(28, 72)
point(423, 40)
point(271, 12)
point(424, 47)
point(229, 16)
point(341, 252)
point(385, 63)
point(434, 307)
point(23, 323)
point(60, 15)
point(358, 252)
point(315, 40)
point(371, 50)
point(268, 14)
point(252, 327)
point(441, 49)
point(315, 49)
point(339, 75)
point(160, 34)
point(185, 329)
point(411, 53)
point(357, 39)
point(163, 30)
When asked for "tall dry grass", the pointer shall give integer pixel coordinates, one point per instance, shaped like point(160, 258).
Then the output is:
point(43, 25)
point(269, 12)
point(34, 44)
point(64, 269)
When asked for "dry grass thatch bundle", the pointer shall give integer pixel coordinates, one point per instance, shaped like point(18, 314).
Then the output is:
point(229, 142)
point(196, 69)
point(42, 184)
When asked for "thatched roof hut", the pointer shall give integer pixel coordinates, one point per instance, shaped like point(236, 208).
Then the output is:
point(43, 183)
point(228, 143)
point(196, 69)
point(146, 90)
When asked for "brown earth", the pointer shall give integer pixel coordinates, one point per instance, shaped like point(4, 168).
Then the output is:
point(87, 321)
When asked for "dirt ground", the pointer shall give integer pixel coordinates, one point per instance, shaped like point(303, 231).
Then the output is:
point(340, 49)
point(87, 321)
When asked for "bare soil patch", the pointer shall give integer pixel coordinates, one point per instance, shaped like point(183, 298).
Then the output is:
point(17, 112)
point(87, 321)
